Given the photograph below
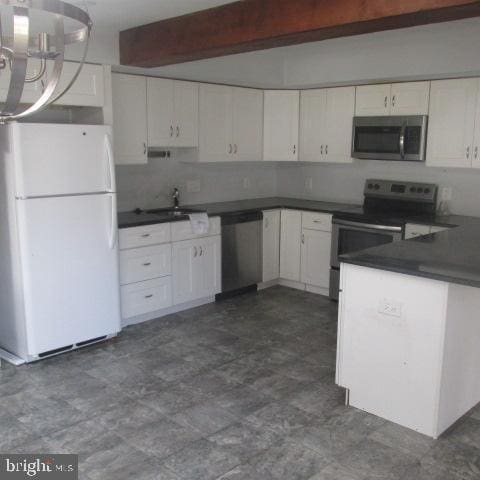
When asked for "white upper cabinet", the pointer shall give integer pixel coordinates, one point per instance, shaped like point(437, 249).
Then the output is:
point(339, 118)
point(231, 124)
point(326, 124)
point(372, 100)
point(215, 114)
point(281, 122)
point(129, 95)
point(88, 90)
point(313, 113)
point(453, 108)
point(172, 113)
point(247, 112)
point(408, 98)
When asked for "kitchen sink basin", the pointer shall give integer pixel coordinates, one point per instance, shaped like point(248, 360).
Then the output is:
point(172, 212)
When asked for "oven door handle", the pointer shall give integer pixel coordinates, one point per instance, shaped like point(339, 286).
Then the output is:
point(387, 228)
point(401, 140)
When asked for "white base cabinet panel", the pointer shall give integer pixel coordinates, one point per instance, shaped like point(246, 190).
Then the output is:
point(290, 234)
point(196, 268)
point(271, 245)
point(408, 347)
point(315, 257)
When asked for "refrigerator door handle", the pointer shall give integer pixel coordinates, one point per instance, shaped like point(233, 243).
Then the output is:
point(112, 242)
point(111, 165)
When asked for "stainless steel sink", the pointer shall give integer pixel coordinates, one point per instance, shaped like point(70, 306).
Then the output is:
point(172, 212)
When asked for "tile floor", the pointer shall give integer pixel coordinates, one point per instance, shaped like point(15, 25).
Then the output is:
point(242, 389)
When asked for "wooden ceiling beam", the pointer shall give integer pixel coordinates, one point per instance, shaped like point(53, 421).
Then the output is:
point(249, 25)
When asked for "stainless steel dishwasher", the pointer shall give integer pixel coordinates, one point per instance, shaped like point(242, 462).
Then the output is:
point(241, 252)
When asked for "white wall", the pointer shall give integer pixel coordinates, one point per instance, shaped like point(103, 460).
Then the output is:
point(148, 186)
point(345, 183)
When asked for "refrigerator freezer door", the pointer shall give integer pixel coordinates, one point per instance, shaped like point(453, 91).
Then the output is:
point(62, 159)
point(69, 262)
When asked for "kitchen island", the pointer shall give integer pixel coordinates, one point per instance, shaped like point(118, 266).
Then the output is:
point(409, 329)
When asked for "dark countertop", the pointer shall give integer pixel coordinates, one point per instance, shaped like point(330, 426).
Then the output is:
point(132, 219)
point(450, 256)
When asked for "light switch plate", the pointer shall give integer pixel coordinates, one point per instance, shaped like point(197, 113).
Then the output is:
point(246, 183)
point(446, 193)
point(309, 183)
point(390, 307)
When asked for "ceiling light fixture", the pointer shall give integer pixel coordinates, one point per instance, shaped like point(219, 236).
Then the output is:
point(20, 45)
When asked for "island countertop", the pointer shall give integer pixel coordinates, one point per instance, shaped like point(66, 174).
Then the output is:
point(452, 255)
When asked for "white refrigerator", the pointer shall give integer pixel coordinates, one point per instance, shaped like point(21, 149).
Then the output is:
point(58, 242)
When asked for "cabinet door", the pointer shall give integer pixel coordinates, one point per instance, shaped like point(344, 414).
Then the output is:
point(160, 97)
point(410, 98)
point(280, 127)
point(271, 245)
point(290, 233)
point(373, 100)
point(476, 135)
point(88, 90)
point(313, 106)
point(186, 114)
point(247, 110)
point(185, 282)
point(208, 269)
point(339, 120)
point(215, 124)
point(451, 122)
point(129, 96)
point(315, 257)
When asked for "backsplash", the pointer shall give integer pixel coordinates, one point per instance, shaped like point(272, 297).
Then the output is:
point(149, 186)
point(345, 183)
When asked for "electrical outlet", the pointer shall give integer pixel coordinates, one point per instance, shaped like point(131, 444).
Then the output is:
point(193, 186)
point(446, 193)
point(246, 183)
point(309, 183)
point(390, 307)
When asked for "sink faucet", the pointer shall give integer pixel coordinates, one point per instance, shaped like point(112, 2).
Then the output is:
point(176, 198)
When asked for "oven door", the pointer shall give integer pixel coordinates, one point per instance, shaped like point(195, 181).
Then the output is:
point(389, 138)
point(350, 237)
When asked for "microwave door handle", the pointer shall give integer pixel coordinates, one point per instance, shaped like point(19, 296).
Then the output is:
point(402, 140)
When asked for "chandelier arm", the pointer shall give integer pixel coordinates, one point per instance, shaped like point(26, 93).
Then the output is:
point(45, 100)
point(19, 61)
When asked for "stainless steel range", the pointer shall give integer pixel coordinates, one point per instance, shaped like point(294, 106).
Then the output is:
point(388, 206)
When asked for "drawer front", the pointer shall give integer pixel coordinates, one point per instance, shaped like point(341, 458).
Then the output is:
point(145, 263)
point(317, 221)
point(183, 230)
point(145, 297)
point(143, 236)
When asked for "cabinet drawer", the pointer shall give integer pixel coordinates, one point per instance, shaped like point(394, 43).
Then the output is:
point(145, 297)
point(183, 230)
point(143, 236)
point(317, 221)
point(144, 263)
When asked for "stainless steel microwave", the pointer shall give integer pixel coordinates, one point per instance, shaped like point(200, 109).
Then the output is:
point(401, 138)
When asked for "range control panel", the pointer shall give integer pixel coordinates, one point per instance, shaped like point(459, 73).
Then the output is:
point(423, 192)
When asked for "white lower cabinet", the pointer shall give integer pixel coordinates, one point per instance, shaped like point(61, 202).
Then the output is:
point(315, 257)
point(144, 297)
point(290, 233)
point(196, 268)
point(305, 244)
point(271, 245)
